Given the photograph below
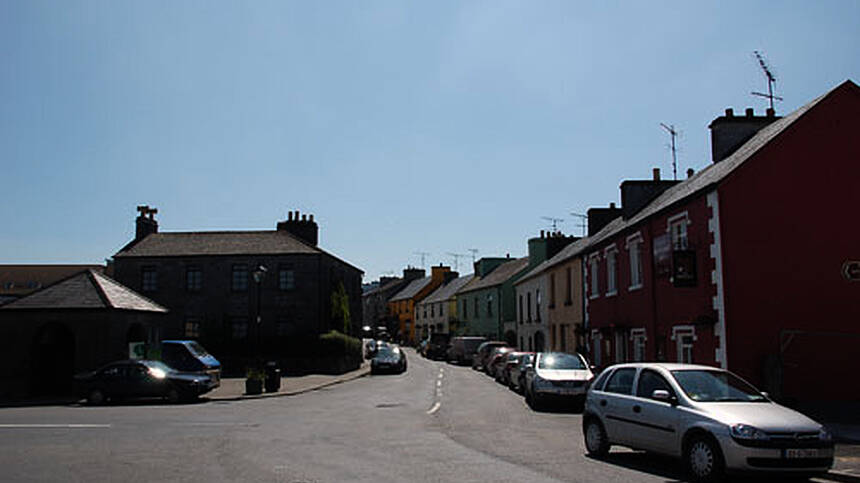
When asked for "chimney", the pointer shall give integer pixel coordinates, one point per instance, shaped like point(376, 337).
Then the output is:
point(635, 194)
point(449, 276)
point(301, 226)
point(410, 273)
point(437, 274)
point(690, 173)
point(730, 132)
point(600, 217)
point(145, 223)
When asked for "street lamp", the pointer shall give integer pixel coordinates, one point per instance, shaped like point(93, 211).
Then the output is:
point(258, 274)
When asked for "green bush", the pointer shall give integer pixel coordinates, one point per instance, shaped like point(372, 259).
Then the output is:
point(335, 344)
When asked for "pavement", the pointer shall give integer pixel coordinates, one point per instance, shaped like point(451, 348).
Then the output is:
point(233, 388)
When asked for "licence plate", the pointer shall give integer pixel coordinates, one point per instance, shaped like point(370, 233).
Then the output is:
point(802, 453)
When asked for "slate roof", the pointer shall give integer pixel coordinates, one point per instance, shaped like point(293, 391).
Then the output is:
point(411, 290)
point(445, 292)
point(88, 289)
point(498, 276)
point(166, 244)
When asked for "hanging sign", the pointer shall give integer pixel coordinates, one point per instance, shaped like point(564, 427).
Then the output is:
point(851, 270)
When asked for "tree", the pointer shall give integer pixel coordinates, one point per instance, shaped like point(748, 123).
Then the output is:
point(340, 309)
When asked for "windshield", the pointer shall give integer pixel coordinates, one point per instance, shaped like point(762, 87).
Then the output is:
point(560, 361)
point(197, 349)
point(388, 351)
point(716, 386)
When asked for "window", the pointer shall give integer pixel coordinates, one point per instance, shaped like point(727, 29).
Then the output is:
point(521, 313)
point(684, 336)
point(286, 279)
point(563, 337)
point(149, 279)
point(650, 381)
point(193, 279)
point(634, 247)
point(594, 266)
point(678, 229)
point(192, 327)
point(569, 288)
point(240, 278)
point(552, 290)
point(529, 307)
point(239, 327)
point(621, 381)
point(465, 312)
point(611, 271)
point(537, 305)
point(476, 306)
point(441, 313)
point(424, 307)
point(490, 305)
point(595, 347)
point(638, 338)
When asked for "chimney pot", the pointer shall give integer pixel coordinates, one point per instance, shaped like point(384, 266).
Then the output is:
point(730, 112)
point(289, 216)
point(311, 218)
point(541, 233)
point(770, 112)
point(750, 112)
point(656, 172)
point(690, 172)
point(304, 217)
point(612, 204)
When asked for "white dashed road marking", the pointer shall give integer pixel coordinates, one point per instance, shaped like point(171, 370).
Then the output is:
point(49, 426)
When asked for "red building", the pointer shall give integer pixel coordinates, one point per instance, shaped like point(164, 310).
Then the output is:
point(751, 264)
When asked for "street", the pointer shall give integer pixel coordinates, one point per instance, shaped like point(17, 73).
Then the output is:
point(436, 422)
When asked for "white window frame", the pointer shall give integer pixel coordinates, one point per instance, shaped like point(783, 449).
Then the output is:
point(634, 248)
point(684, 350)
point(681, 220)
point(611, 256)
point(593, 275)
point(639, 338)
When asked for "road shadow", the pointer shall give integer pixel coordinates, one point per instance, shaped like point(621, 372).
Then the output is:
point(672, 470)
point(141, 402)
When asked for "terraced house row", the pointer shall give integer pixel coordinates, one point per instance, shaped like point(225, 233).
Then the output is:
point(751, 264)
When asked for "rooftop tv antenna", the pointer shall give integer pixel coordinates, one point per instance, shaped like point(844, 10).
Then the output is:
point(474, 252)
point(555, 222)
point(457, 257)
point(673, 133)
point(583, 221)
point(423, 257)
point(770, 80)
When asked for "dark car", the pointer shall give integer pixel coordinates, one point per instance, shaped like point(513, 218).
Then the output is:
point(141, 379)
point(517, 377)
point(388, 358)
point(512, 361)
point(437, 347)
point(497, 360)
point(479, 360)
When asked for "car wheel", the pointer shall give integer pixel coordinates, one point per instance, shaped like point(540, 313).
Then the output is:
point(96, 397)
point(703, 459)
point(596, 442)
point(172, 395)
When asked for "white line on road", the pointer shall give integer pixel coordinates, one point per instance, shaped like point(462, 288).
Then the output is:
point(435, 408)
point(64, 426)
point(438, 383)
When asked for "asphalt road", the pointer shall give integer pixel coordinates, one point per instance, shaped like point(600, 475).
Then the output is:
point(436, 422)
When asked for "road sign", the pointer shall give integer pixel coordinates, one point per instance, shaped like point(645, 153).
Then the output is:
point(851, 270)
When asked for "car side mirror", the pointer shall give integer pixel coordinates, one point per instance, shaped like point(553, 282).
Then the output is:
point(593, 368)
point(664, 396)
point(765, 394)
point(529, 367)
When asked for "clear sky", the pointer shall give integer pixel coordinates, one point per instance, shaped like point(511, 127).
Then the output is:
point(404, 127)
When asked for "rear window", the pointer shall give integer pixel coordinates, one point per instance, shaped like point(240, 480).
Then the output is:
point(621, 381)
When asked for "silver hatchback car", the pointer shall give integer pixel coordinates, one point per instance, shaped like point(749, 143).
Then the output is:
point(710, 418)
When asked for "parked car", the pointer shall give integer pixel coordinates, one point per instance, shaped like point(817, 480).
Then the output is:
point(710, 418)
point(516, 379)
point(388, 358)
point(140, 379)
point(497, 361)
point(437, 346)
point(190, 357)
point(512, 360)
point(463, 349)
point(482, 353)
point(556, 375)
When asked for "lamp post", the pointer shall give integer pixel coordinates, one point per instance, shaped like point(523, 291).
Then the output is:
point(258, 274)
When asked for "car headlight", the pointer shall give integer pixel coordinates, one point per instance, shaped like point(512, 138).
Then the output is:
point(745, 431)
point(825, 435)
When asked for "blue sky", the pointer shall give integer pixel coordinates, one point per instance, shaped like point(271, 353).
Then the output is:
point(403, 127)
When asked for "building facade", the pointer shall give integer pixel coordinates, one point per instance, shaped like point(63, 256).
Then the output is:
point(437, 314)
point(402, 305)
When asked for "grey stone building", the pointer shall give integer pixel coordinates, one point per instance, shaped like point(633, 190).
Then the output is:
point(237, 291)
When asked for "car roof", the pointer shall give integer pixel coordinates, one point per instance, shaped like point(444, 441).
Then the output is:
point(669, 366)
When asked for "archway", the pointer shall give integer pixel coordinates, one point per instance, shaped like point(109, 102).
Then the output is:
point(52, 360)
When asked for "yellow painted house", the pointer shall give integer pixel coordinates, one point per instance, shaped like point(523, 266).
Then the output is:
point(402, 305)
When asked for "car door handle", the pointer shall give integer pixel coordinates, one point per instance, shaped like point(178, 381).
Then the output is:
point(603, 402)
point(637, 409)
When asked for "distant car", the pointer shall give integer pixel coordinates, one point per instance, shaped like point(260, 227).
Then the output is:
point(140, 379)
point(557, 375)
point(437, 346)
point(188, 356)
point(388, 358)
point(463, 349)
point(497, 361)
point(512, 360)
point(482, 353)
point(710, 418)
point(516, 379)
